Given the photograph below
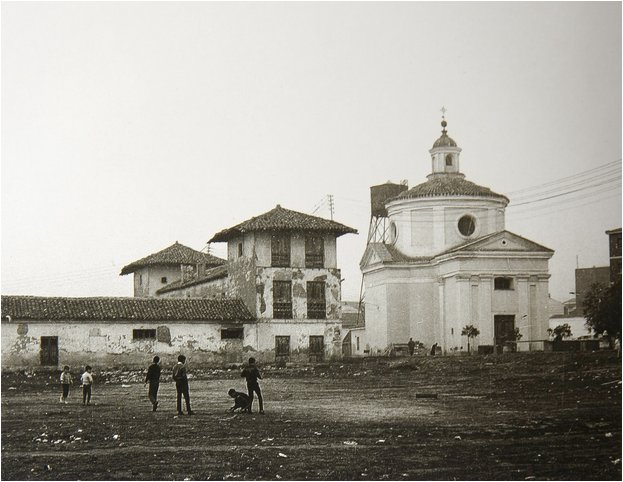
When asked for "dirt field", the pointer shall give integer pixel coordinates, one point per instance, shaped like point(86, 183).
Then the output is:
point(513, 416)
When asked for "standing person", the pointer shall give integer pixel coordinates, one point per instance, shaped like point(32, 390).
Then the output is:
point(87, 381)
point(252, 374)
point(153, 378)
point(433, 349)
point(617, 345)
point(181, 385)
point(66, 381)
point(411, 346)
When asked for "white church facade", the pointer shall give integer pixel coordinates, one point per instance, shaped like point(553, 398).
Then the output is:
point(446, 261)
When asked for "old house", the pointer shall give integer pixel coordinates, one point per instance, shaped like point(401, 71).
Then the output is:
point(175, 263)
point(113, 332)
point(283, 265)
point(448, 261)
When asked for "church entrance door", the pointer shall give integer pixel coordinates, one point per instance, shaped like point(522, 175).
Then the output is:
point(503, 328)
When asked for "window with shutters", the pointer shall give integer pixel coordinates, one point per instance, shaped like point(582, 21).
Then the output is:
point(232, 333)
point(280, 250)
point(282, 300)
point(316, 301)
point(314, 252)
point(143, 334)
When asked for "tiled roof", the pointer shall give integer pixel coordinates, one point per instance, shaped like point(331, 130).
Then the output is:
point(211, 274)
point(448, 185)
point(390, 254)
point(175, 254)
point(20, 308)
point(280, 219)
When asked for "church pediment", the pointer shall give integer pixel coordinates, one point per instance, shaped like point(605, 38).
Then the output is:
point(502, 241)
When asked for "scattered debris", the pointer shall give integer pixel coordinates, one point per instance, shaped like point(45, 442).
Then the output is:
point(609, 435)
point(317, 433)
point(283, 455)
point(350, 442)
point(380, 441)
point(458, 437)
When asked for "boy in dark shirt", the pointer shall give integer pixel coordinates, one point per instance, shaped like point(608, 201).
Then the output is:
point(181, 385)
point(153, 378)
point(252, 374)
point(241, 401)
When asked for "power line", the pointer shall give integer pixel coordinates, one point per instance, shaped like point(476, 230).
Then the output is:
point(571, 191)
point(587, 182)
point(563, 180)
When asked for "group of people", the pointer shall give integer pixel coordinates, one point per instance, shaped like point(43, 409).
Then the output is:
point(411, 345)
point(242, 401)
point(86, 380)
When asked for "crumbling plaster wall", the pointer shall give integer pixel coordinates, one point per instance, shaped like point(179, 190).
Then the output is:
point(299, 278)
point(108, 345)
point(299, 333)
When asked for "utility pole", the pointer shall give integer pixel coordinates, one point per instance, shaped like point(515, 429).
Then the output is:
point(330, 196)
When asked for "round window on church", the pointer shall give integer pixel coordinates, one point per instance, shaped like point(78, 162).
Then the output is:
point(467, 225)
point(393, 233)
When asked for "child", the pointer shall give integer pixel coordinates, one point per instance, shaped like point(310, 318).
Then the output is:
point(65, 382)
point(252, 374)
point(87, 381)
point(153, 378)
point(241, 401)
point(181, 385)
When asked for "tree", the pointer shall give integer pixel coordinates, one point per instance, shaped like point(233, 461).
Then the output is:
point(560, 332)
point(602, 308)
point(470, 331)
point(513, 337)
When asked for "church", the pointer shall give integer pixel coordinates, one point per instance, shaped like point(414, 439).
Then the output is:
point(439, 259)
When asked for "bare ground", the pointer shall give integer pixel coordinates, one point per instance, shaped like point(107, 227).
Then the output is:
point(506, 417)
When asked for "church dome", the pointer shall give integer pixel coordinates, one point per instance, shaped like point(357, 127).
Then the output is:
point(445, 140)
point(448, 185)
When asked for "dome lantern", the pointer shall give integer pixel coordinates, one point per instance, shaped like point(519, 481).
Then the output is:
point(445, 152)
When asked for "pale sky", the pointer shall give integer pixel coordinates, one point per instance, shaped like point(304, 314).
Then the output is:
point(129, 126)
